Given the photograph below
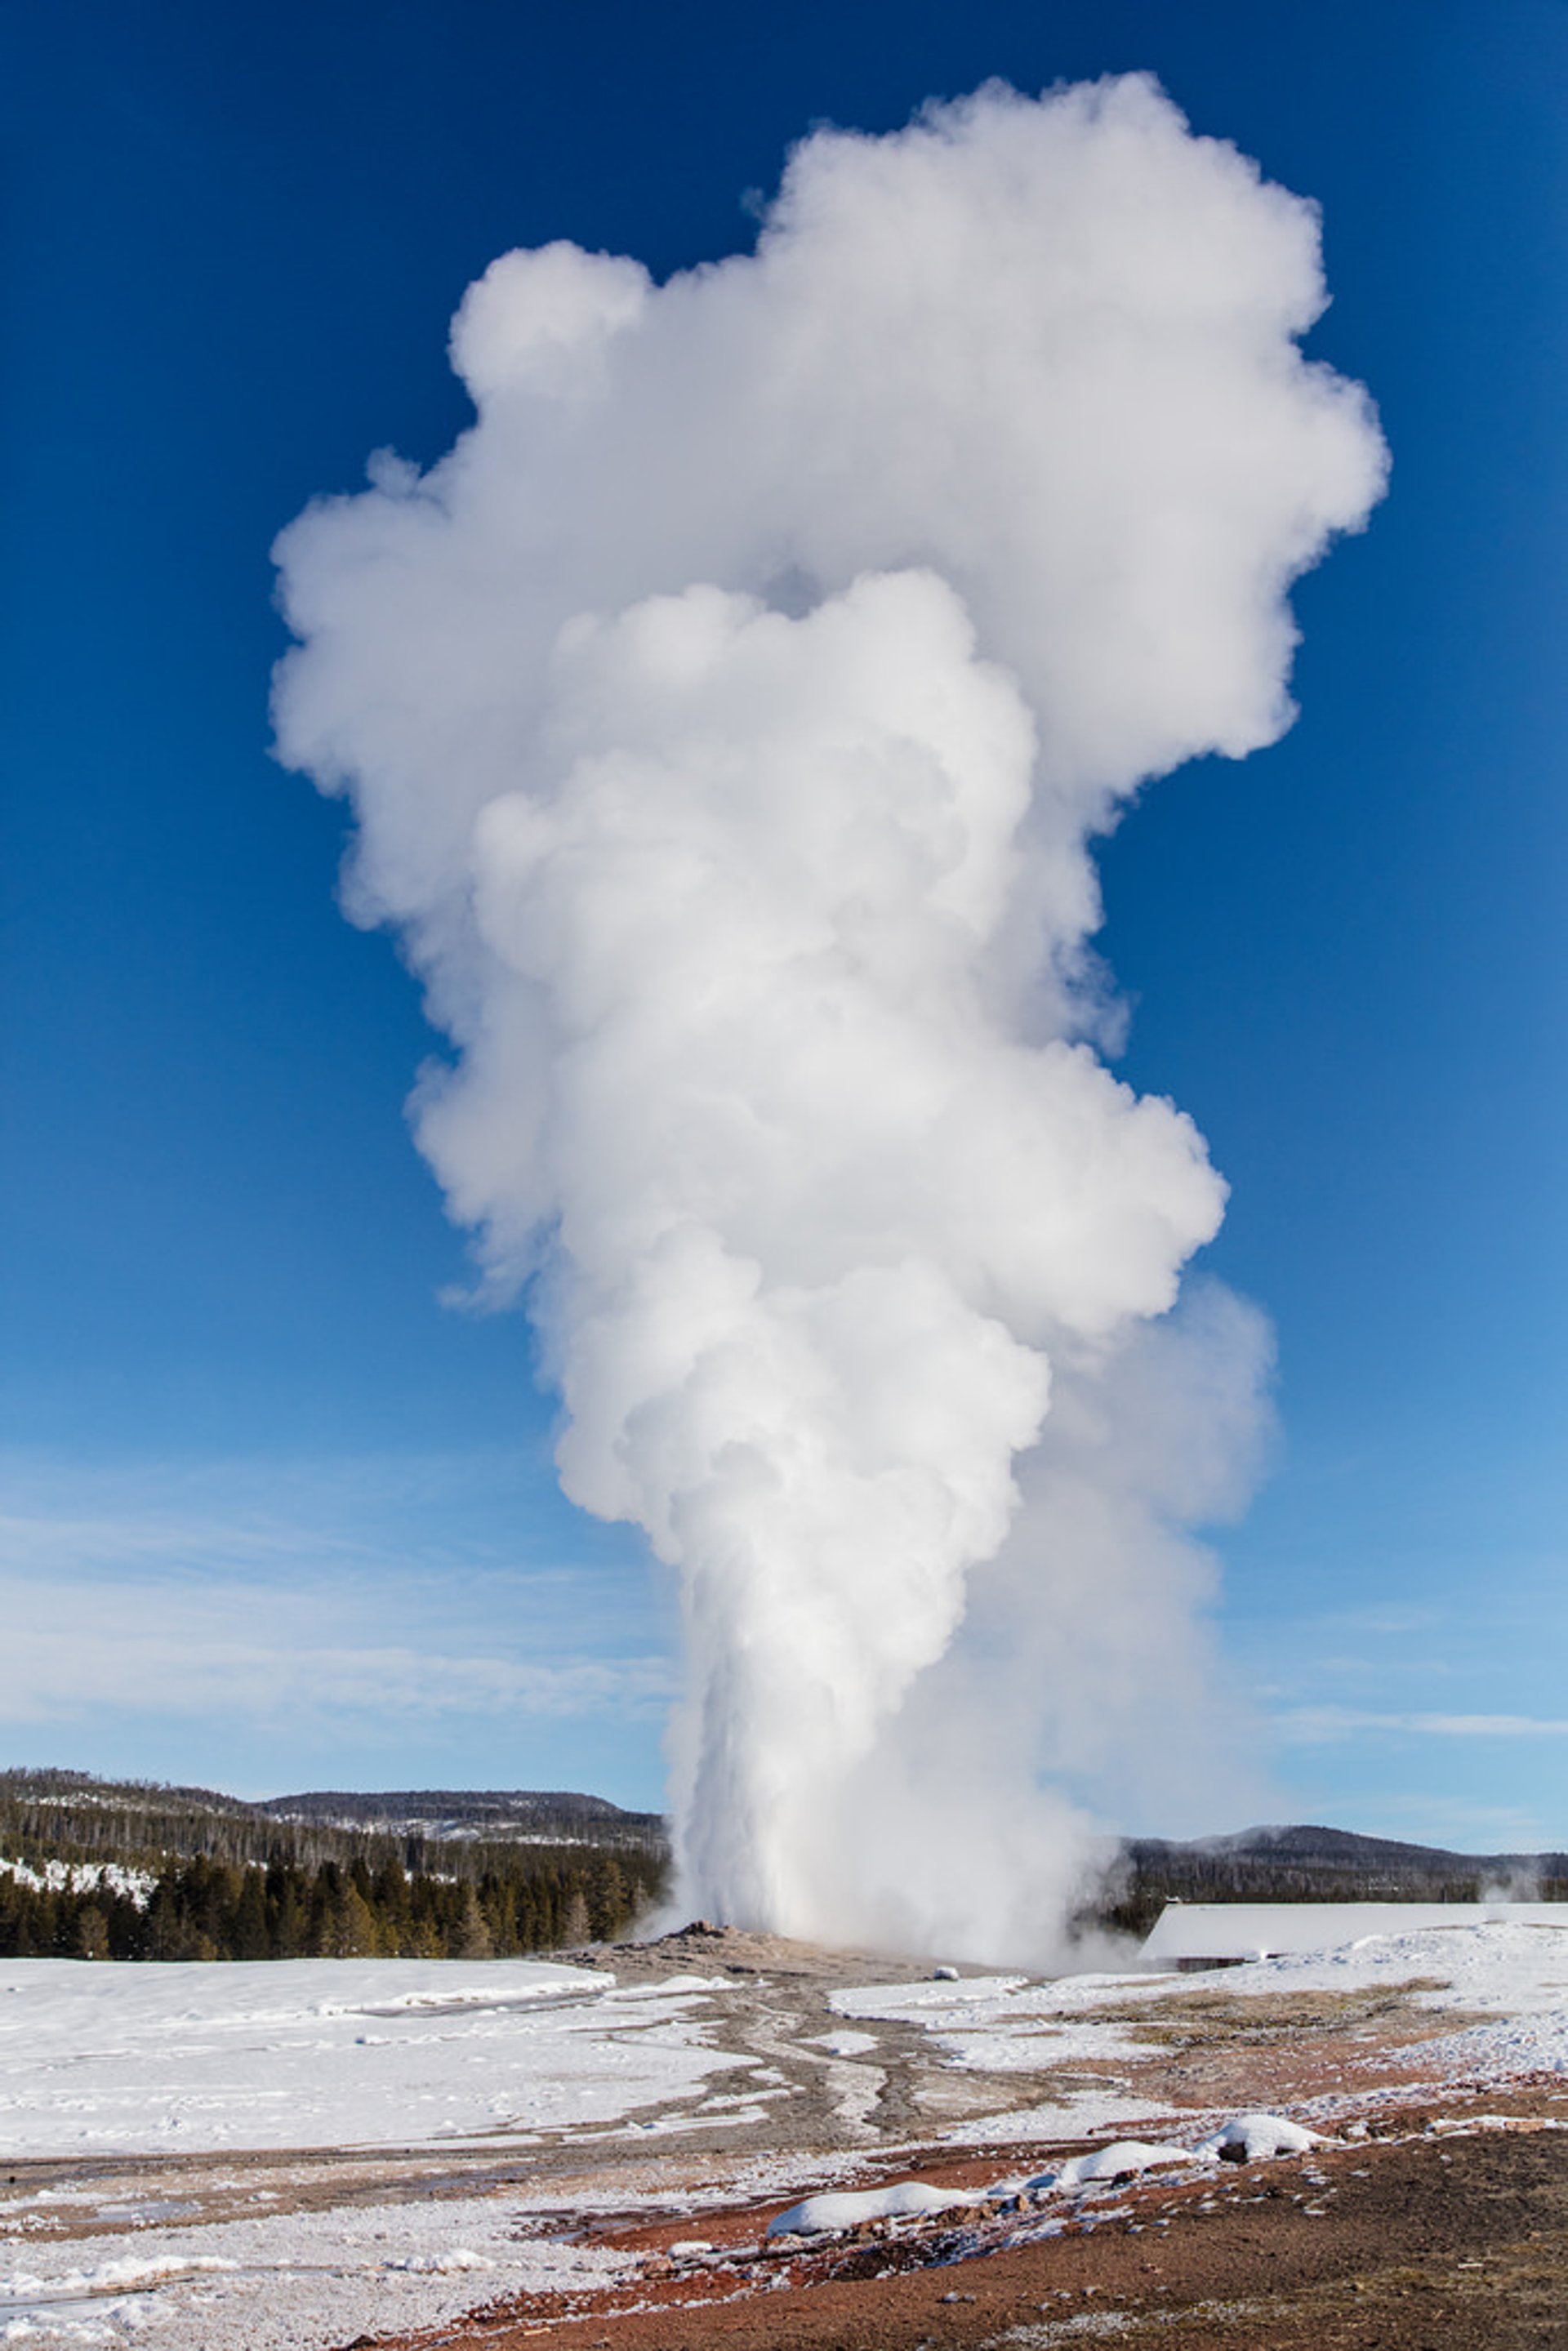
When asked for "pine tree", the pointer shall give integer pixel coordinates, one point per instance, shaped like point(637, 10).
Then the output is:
point(356, 1932)
point(250, 1936)
point(470, 1938)
point(91, 1934)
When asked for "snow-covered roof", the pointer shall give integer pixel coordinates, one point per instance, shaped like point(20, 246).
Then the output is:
point(1252, 1930)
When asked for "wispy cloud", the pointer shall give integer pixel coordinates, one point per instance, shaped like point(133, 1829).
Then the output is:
point(1318, 1725)
point(314, 1598)
point(379, 1513)
point(171, 1650)
point(1391, 1619)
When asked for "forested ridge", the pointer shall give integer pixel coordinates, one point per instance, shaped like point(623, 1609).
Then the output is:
point(132, 1870)
point(75, 1817)
point(555, 1814)
point(1312, 1865)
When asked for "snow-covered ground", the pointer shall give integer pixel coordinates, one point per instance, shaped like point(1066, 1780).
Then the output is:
point(282, 2282)
point(330, 2053)
point(99, 2061)
point(1510, 1966)
point(151, 2063)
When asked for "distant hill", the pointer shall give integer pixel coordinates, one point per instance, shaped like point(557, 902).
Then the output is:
point(134, 1869)
point(1312, 1864)
point(554, 1816)
point(71, 1816)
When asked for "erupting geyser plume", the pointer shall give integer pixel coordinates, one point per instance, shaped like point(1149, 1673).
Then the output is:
point(726, 719)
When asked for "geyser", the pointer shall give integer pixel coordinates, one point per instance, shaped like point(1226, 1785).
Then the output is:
point(728, 719)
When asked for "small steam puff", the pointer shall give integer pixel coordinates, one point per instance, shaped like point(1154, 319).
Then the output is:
point(726, 719)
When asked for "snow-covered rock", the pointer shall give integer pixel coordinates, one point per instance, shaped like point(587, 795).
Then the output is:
point(1249, 2138)
point(1122, 2158)
point(830, 2214)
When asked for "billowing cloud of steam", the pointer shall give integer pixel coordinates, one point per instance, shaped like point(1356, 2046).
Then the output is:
point(726, 719)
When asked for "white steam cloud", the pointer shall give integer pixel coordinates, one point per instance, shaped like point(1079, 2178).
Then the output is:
point(726, 719)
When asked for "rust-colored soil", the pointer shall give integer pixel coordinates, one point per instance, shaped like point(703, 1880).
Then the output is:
point(1441, 2232)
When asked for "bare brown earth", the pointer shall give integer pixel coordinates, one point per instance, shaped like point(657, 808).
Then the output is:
point(1431, 2220)
point(1414, 2240)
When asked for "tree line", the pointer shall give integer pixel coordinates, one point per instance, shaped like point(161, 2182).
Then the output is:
point(198, 1909)
point(1151, 1872)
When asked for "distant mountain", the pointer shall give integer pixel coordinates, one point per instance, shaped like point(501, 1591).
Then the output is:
point(1338, 1851)
point(1311, 1864)
point(74, 1817)
point(552, 1815)
point(66, 1789)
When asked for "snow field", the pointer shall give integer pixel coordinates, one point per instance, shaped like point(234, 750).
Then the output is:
point(96, 2060)
point(149, 2059)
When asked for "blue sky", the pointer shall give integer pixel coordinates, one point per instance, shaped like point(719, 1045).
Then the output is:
point(274, 1517)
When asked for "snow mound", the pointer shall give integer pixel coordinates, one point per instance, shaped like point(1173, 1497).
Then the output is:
point(1123, 2157)
point(1248, 2138)
point(828, 2215)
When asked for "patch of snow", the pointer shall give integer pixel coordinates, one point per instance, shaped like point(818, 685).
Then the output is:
point(1468, 2125)
point(1001, 2024)
point(830, 2214)
point(105, 2277)
point(83, 1878)
point(915, 2002)
point(1122, 2159)
point(1073, 2114)
point(1254, 2137)
point(446, 2265)
point(1028, 2046)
